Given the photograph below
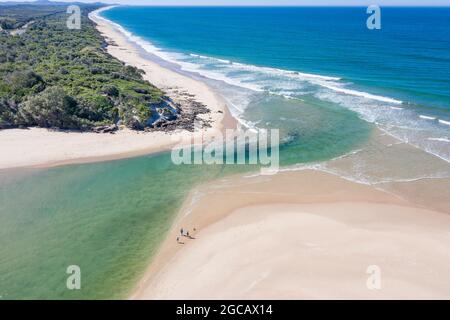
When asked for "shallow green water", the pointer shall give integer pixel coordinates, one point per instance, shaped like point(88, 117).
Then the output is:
point(109, 218)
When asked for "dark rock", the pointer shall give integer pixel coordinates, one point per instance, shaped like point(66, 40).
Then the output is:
point(141, 91)
point(105, 129)
point(170, 115)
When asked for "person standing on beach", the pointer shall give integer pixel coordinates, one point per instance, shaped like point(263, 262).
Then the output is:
point(181, 231)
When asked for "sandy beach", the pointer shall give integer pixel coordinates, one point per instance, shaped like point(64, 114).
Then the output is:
point(42, 147)
point(300, 235)
point(310, 234)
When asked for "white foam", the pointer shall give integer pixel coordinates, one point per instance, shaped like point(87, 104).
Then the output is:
point(289, 84)
point(96, 12)
point(269, 70)
point(323, 81)
point(426, 117)
point(361, 94)
point(189, 67)
point(439, 139)
point(320, 80)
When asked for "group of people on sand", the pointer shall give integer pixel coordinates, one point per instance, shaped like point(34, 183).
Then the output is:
point(184, 233)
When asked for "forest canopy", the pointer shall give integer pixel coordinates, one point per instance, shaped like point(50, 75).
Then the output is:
point(52, 76)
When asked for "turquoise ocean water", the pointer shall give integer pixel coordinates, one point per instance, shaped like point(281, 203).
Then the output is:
point(318, 74)
point(397, 77)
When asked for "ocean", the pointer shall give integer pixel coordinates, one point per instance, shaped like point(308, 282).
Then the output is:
point(397, 77)
point(330, 85)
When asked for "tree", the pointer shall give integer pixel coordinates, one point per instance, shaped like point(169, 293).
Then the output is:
point(110, 91)
point(19, 80)
point(95, 88)
point(51, 108)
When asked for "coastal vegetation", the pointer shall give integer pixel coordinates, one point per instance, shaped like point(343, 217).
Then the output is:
point(16, 16)
point(55, 77)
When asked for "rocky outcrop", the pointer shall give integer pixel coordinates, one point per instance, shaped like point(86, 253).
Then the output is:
point(184, 114)
point(105, 129)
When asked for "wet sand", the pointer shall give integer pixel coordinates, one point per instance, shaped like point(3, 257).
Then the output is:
point(300, 235)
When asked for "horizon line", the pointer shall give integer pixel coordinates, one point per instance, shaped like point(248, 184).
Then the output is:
point(268, 6)
point(238, 5)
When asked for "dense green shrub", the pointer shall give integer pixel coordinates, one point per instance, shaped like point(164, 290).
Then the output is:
point(51, 108)
point(110, 90)
point(7, 23)
point(22, 81)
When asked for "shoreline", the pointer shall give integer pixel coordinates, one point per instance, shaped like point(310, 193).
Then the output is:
point(237, 208)
point(41, 148)
point(299, 234)
point(328, 227)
